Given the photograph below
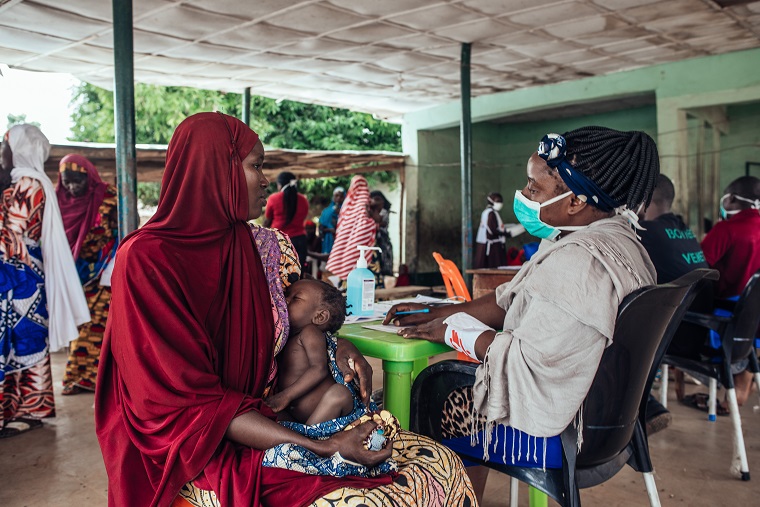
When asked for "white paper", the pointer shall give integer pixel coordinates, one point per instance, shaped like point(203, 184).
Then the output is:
point(382, 328)
point(381, 308)
point(354, 319)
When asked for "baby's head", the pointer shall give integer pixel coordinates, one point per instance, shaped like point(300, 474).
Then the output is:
point(315, 302)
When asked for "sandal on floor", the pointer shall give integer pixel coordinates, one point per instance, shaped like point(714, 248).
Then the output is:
point(700, 402)
point(71, 389)
point(19, 426)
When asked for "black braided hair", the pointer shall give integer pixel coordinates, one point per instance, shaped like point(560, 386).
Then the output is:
point(290, 195)
point(623, 164)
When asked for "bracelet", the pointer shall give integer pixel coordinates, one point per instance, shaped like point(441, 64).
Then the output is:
point(462, 331)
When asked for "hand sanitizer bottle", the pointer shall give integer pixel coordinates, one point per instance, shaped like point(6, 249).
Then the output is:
point(360, 292)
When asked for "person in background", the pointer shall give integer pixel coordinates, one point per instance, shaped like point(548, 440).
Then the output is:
point(490, 249)
point(286, 210)
point(403, 279)
point(674, 251)
point(355, 228)
point(671, 245)
point(328, 220)
point(313, 248)
point(733, 248)
point(42, 299)
point(89, 211)
point(733, 245)
point(379, 210)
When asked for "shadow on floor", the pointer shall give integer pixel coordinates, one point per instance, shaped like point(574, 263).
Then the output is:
point(60, 464)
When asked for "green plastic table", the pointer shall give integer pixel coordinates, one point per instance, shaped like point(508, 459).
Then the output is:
point(402, 360)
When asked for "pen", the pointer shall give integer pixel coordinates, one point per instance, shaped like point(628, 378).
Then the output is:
point(410, 312)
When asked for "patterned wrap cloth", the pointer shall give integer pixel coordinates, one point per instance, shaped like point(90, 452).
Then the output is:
point(97, 249)
point(26, 387)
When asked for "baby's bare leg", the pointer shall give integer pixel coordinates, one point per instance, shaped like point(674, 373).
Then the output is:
point(336, 402)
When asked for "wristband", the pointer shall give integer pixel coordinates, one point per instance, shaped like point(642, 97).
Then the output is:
point(462, 331)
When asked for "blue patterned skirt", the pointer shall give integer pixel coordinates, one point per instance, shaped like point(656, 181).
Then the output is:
point(23, 314)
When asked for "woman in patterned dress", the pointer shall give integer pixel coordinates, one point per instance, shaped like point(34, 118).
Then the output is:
point(88, 208)
point(356, 227)
point(41, 301)
point(189, 349)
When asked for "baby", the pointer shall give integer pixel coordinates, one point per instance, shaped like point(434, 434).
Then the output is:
point(306, 390)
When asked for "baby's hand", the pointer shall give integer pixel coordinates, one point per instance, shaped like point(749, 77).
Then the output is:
point(277, 402)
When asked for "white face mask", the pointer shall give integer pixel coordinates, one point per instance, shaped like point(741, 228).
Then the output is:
point(724, 213)
point(495, 205)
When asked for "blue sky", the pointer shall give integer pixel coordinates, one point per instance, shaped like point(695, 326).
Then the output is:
point(44, 97)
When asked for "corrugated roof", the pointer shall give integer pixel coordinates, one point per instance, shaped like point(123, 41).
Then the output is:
point(387, 58)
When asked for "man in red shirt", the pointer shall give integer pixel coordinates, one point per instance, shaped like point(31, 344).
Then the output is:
point(733, 248)
point(733, 245)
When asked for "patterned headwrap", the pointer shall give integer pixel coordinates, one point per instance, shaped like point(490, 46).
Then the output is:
point(71, 166)
point(553, 149)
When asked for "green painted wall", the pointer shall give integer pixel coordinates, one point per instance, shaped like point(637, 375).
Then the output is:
point(439, 206)
point(742, 144)
point(430, 137)
point(683, 81)
point(500, 154)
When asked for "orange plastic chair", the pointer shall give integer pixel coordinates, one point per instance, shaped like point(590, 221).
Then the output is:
point(452, 278)
point(455, 287)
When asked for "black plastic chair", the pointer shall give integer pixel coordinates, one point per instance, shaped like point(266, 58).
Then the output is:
point(737, 337)
point(614, 410)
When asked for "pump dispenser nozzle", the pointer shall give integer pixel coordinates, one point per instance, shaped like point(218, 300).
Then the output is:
point(361, 262)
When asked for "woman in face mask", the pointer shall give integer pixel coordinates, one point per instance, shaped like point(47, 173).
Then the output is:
point(489, 242)
point(558, 313)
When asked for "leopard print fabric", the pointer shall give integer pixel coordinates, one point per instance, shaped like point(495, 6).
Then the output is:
point(456, 420)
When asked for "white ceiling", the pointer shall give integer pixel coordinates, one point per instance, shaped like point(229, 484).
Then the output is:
point(387, 57)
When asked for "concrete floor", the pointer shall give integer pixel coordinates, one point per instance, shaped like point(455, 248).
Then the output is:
point(60, 464)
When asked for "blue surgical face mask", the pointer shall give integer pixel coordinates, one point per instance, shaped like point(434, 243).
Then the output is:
point(529, 214)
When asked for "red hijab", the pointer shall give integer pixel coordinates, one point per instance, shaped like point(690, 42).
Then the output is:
point(190, 337)
point(80, 214)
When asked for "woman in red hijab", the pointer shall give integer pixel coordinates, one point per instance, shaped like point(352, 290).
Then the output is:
point(89, 212)
point(189, 346)
point(189, 340)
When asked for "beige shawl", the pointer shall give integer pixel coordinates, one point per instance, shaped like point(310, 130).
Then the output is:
point(561, 311)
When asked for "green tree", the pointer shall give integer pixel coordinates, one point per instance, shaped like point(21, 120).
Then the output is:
point(15, 119)
point(158, 110)
point(281, 124)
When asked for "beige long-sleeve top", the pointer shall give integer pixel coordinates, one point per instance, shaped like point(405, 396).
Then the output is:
point(561, 311)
